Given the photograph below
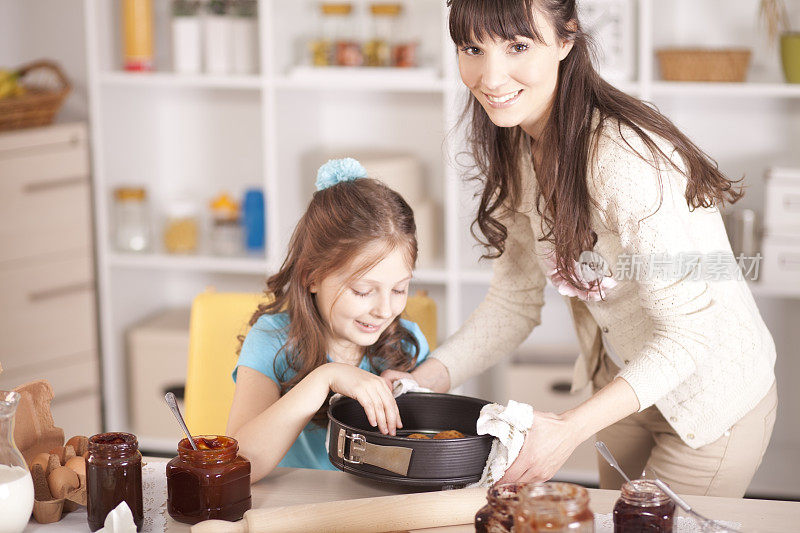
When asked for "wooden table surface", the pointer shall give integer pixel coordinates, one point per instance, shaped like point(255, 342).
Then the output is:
point(289, 486)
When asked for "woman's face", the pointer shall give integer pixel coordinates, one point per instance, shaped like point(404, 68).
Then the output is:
point(358, 311)
point(515, 81)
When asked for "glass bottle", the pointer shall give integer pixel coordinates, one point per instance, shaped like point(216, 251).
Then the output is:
point(131, 219)
point(226, 228)
point(642, 506)
point(16, 484)
point(406, 40)
point(113, 475)
point(377, 50)
point(181, 227)
point(554, 507)
point(497, 515)
point(212, 482)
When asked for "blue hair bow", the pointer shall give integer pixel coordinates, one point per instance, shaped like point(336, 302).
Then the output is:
point(339, 170)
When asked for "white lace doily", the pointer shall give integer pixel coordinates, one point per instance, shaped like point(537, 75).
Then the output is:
point(604, 523)
point(154, 496)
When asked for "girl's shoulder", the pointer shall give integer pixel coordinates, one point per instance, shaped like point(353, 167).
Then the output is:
point(262, 348)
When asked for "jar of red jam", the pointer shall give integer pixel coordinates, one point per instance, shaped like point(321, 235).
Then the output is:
point(642, 506)
point(113, 475)
point(554, 507)
point(497, 516)
point(212, 482)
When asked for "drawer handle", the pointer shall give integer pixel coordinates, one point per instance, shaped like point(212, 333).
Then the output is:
point(47, 185)
point(56, 292)
point(561, 387)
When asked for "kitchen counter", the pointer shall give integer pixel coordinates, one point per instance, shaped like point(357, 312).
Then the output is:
point(289, 486)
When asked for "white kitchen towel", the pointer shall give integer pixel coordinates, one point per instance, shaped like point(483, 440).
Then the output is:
point(509, 425)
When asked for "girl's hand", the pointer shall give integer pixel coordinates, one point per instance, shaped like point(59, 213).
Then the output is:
point(371, 391)
point(390, 376)
point(549, 443)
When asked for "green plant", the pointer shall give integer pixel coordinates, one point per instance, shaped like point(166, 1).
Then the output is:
point(218, 7)
point(774, 17)
point(185, 8)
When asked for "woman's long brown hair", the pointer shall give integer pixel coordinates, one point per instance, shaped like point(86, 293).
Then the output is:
point(341, 222)
point(566, 145)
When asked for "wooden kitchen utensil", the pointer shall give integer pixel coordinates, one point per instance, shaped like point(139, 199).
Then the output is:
point(380, 514)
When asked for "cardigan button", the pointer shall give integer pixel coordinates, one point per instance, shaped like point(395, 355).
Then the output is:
point(627, 362)
point(690, 436)
point(605, 329)
point(673, 419)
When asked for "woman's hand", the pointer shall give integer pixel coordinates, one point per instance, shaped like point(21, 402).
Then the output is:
point(390, 376)
point(549, 443)
point(371, 391)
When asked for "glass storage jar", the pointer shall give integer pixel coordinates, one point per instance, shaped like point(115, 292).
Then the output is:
point(554, 507)
point(212, 482)
point(181, 227)
point(497, 516)
point(131, 217)
point(642, 506)
point(113, 475)
point(378, 49)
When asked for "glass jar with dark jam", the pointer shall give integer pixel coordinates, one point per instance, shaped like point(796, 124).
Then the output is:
point(113, 475)
point(497, 516)
point(212, 482)
point(642, 506)
point(554, 507)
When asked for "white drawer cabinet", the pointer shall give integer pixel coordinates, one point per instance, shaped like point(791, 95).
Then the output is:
point(48, 323)
point(546, 387)
point(44, 193)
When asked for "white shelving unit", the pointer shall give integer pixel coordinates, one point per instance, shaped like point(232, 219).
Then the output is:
point(208, 133)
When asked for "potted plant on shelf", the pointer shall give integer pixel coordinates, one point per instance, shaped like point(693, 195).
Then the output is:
point(218, 42)
point(776, 19)
point(186, 36)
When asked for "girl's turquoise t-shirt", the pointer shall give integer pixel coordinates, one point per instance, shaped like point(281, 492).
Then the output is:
point(261, 351)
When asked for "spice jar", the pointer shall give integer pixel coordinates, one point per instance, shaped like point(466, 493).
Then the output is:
point(212, 482)
point(497, 515)
point(131, 219)
point(226, 228)
point(377, 50)
point(406, 40)
point(181, 228)
point(554, 507)
point(113, 475)
point(642, 506)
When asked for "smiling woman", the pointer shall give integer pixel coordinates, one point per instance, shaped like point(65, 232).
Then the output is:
point(576, 173)
point(334, 323)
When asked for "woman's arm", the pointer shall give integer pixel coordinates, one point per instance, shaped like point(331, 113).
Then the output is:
point(553, 438)
point(505, 318)
point(266, 424)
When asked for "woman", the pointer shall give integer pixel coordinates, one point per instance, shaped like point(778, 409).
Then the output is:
point(573, 170)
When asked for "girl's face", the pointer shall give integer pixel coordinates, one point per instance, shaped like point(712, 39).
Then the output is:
point(515, 81)
point(358, 311)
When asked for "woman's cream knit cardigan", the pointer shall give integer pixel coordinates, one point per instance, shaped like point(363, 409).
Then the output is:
point(695, 347)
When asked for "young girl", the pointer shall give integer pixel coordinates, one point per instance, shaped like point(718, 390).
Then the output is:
point(332, 326)
point(578, 175)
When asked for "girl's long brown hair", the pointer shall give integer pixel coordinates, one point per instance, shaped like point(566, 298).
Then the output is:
point(340, 223)
point(566, 145)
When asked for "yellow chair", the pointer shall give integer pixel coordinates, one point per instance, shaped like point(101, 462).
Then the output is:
point(217, 320)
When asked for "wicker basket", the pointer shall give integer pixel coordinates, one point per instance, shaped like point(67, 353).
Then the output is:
point(47, 86)
point(696, 64)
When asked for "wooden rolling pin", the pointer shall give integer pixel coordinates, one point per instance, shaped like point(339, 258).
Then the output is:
point(381, 514)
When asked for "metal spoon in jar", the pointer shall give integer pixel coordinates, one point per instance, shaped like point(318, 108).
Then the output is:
point(173, 406)
point(606, 453)
point(706, 524)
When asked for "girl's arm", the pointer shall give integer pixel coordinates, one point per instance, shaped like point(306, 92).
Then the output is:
point(266, 424)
